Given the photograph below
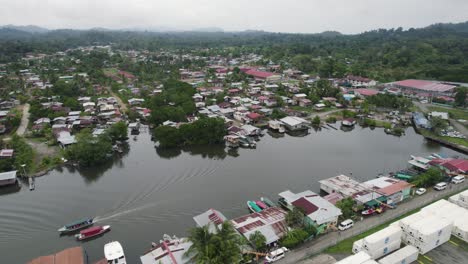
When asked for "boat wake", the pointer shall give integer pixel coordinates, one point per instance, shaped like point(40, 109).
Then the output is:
point(109, 217)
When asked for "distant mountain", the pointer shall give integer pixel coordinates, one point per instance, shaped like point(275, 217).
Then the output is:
point(28, 28)
point(13, 34)
point(330, 34)
point(459, 27)
point(208, 29)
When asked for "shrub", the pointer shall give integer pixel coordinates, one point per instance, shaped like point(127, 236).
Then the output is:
point(293, 238)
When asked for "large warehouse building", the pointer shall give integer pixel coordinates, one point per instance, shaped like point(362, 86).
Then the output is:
point(424, 88)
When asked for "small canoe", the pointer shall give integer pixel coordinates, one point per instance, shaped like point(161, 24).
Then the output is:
point(77, 225)
point(253, 207)
point(261, 205)
point(92, 232)
point(267, 202)
point(368, 212)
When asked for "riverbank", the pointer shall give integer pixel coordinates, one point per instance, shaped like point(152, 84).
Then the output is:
point(341, 242)
point(147, 192)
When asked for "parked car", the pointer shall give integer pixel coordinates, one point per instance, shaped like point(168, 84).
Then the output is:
point(421, 191)
point(276, 255)
point(346, 224)
point(440, 186)
point(458, 179)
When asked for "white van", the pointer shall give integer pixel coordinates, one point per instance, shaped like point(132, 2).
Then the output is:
point(276, 255)
point(458, 179)
point(346, 224)
point(440, 186)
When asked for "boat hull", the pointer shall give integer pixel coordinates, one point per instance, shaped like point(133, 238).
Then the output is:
point(81, 237)
point(79, 226)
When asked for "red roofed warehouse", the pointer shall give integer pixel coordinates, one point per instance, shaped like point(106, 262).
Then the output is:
point(421, 86)
point(262, 75)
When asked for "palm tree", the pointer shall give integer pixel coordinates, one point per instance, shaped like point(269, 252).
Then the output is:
point(222, 246)
point(201, 250)
point(258, 240)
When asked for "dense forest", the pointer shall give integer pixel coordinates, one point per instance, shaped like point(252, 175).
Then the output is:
point(436, 52)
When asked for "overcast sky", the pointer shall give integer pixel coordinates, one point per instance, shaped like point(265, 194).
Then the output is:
point(307, 16)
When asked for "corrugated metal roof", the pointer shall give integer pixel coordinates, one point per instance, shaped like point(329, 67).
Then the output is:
point(271, 222)
point(7, 175)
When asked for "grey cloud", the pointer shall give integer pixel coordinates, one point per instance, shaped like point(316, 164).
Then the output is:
point(347, 16)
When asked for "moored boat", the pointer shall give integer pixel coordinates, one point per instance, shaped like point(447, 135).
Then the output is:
point(368, 212)
point(114, 253)
point(261, 205)
point(348, 122)
point(92, 232)
point(276, 125)
point(253, 207)
point(267, 201)
point(77, 225)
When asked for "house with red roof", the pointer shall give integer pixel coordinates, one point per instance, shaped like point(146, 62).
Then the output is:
point(262, 75)
point(451, 165)
point(393, 190)
point(319, 212)
point(252, 117)
point(363, 92)
point(127, 75)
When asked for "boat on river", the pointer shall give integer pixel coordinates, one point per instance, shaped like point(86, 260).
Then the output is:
point(276, 126)
point(267, 201)
point(77, 225)
point(114, 253)
point(92, 232)
point(253, 207)
point(262, 205)
point(348, 122)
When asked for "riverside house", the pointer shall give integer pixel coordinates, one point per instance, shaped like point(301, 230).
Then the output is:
point(319, 212)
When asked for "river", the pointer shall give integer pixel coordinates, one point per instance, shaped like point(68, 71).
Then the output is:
point(150, 192)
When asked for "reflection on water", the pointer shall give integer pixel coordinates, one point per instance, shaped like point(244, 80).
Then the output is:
point(5, 190)
point(146, 192)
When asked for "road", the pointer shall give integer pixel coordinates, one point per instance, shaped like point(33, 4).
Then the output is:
point(123, 106)
point(459, 127)
point(323, 242)
point(24, 120)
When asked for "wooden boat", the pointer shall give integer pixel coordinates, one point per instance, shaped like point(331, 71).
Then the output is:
point(380, 210)
point(92, 232)
point(267, 201)
point(253, 207)
point(368, 212)
point(348, 122)
point(261, 205)
point(77, 225)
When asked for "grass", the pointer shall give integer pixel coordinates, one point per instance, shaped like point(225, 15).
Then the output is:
point(460, 243)
point(458, 141)
point(346, 245)
point(455, 113)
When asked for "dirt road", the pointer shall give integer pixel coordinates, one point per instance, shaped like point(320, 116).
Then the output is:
point(24, 120)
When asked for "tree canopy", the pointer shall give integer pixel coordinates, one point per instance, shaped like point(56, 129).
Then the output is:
point(222, 246)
